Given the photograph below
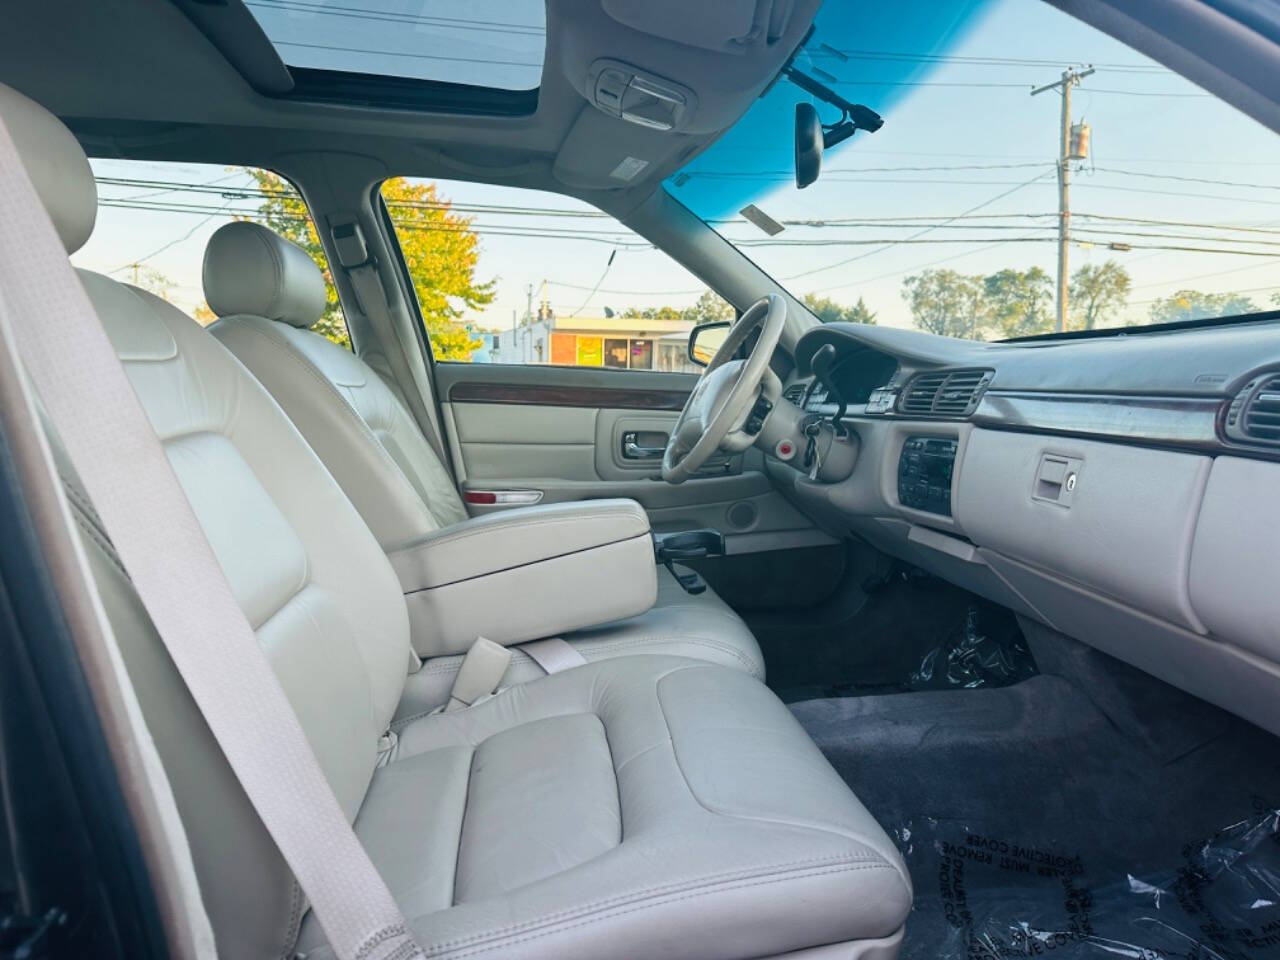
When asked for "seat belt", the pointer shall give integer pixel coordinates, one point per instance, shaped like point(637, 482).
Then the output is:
point(553, 654)
point(122, 465)
point(486, 664)
point(362, 271)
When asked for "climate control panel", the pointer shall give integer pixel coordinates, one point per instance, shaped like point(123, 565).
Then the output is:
point(924, 474)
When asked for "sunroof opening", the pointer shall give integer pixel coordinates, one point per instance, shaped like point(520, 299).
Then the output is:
point(496, 44)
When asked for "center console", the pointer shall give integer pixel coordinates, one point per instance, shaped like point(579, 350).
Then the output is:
point(925, 468)
point(526, 573)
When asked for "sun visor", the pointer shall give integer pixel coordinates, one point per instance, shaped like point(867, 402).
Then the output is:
point(726, 26)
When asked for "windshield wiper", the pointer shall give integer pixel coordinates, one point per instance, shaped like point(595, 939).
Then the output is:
point(854, 116)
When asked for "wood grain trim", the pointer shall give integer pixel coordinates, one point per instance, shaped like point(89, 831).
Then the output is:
point(548, 395)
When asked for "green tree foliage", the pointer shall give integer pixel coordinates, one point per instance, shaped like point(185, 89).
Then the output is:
point(651, 313)
point(1195, 305)
point(947, 303)
point(1019, 302)
point(151, 280)
point(1097, 293)
point(440, 249)
point(709, 308)
point(828, 311)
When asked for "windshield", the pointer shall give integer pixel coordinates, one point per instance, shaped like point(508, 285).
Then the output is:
point(948, 219)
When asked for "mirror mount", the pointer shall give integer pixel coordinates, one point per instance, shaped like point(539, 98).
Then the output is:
point(812, 136)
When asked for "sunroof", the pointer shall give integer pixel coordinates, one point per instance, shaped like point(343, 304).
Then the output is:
point(496, 44)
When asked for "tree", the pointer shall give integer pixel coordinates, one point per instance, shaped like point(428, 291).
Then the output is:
point(440, 250)
point(1195, 305)
point(1097, 293)
point(651, 313)
point(947, 303)
point(151, 280)
point(828, 311)
point(204, 316)
point(861, 313)
point(1019, 301)
point(709, 308)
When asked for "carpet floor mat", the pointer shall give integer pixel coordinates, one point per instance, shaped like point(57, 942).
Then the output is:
point(1105, 815)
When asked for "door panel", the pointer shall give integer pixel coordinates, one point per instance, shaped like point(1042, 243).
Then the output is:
point(564, 431)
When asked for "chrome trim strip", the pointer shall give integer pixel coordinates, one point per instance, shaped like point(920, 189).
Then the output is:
point(1182, 421)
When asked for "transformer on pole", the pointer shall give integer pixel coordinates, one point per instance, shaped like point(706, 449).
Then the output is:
point(1073, 139)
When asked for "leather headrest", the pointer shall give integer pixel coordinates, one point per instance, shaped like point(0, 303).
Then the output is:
point(249, 270)
point(56, 164)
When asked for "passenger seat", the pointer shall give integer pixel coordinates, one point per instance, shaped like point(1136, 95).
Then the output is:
point(267, 293)
point(633, 807)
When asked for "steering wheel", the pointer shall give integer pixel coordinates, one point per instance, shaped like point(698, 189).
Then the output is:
point(713, 417)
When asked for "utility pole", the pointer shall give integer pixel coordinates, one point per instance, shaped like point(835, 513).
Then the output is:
point(1069, 79)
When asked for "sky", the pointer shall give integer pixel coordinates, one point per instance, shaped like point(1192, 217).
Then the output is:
point(962, 136)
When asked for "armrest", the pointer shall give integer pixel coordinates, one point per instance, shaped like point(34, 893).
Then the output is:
point(527, 573)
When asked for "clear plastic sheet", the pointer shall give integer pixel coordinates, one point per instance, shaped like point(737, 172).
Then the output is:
point(984, 896)
point(985, 649)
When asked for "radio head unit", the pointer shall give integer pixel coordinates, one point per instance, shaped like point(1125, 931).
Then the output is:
point(924, 474)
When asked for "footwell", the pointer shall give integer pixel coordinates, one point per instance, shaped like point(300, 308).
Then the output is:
point(1088, 812)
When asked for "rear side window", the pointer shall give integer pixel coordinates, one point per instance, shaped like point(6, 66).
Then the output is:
point(154, 220)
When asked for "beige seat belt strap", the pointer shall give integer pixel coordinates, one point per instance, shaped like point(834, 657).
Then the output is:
point(124, 469)
point(375, 305)
point(553, 654)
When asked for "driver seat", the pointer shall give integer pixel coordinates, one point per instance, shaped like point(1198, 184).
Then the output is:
point(267, 293)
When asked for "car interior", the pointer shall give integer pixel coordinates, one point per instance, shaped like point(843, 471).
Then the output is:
point(830, 640)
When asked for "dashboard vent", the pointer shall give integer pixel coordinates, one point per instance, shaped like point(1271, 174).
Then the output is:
point(1260, 418)
point(944, 393)
point(795, 393)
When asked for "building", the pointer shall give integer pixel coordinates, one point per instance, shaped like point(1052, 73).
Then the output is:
point(623, 343)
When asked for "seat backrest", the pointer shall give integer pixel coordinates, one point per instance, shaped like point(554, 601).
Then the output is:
point(267, 293)
point(309, 575)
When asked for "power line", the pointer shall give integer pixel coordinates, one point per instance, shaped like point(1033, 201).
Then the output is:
point(1182, 179)
point(959, 59)
point(1011, 86)
point(863, 256)
point(357, 13)
point(487, 61)
point(172, 243)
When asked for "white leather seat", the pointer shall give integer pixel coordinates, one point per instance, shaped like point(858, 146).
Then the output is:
point(640, 806)
point(267, 293)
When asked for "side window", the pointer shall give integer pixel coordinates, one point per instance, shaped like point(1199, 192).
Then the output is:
point(506, 275)
point(154, 220)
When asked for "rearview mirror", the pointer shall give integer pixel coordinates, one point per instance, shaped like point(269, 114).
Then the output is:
point(706, 339)
point(808, 144)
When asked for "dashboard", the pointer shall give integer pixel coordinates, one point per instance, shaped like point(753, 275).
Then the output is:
point(1123, 490)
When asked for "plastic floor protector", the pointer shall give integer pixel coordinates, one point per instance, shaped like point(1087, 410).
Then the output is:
point(981, 894)
point(1087, 812)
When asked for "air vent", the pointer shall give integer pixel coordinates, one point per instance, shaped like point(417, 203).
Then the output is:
point(1254, 415)
point(795, 393)
point(944, 393)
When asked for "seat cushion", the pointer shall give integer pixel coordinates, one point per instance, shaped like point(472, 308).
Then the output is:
point(643, 806)
point(679, 624)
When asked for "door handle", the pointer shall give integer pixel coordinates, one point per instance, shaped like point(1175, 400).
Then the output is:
point(631, 449)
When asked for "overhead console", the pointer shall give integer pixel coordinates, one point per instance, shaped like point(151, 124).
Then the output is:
point(660, 78)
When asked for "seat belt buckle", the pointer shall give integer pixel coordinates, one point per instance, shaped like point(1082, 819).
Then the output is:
point(482, 670)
